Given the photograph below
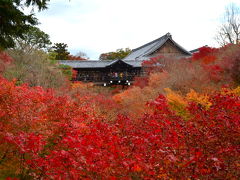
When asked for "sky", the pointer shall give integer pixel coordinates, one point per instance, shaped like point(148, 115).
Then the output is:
point(100, 26)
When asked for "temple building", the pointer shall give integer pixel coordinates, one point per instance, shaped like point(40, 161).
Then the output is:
point(123, 71)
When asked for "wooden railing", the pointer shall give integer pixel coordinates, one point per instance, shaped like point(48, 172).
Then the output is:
point(88, 78)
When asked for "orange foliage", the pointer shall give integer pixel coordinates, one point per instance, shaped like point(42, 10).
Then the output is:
point(82, 85)
point(133, 101)
point(157, 79)
point(201, 99)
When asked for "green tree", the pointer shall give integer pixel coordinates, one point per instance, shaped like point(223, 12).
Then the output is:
point(119, 54)
point(32, 40)
point(66, 70)
point(13, 22)
point(61, 51)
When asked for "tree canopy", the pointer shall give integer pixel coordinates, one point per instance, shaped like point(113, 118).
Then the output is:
point(61, 51)
point(118, 54)
point(14, 22)
point(33, 39)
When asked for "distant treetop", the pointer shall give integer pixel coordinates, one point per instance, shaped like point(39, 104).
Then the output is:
point(118, 54)
point(61, 51)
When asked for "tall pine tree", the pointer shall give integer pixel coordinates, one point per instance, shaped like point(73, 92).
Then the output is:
point(61, 51)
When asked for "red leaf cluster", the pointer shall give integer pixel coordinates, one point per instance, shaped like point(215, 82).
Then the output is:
point(5, 59)
point(204, 52)
point(57, 137)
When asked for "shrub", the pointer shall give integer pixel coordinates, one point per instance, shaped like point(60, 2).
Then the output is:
point(5, 60)
point(66, 70)
point(34, 69)
point(45, 136)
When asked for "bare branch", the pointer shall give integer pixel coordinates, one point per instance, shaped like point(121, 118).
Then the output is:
point(229, 31)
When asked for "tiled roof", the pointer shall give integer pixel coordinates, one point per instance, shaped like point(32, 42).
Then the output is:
point(135, 58)
point(142, 53)
point(85, 64)
point(135, 63)
point(96, 64)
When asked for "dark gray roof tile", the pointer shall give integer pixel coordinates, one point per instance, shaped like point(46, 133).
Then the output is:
point(142, 53)
point(96, 64)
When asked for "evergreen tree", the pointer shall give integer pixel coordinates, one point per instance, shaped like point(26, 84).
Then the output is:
point(61, 51)
point(13, 22)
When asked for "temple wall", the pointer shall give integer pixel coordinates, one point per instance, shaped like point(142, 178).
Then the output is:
point(169, 49)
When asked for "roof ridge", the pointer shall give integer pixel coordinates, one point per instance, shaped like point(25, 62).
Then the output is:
point(164, 36)
point(154, 48)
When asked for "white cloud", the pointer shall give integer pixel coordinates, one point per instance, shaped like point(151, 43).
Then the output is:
point(97, 26)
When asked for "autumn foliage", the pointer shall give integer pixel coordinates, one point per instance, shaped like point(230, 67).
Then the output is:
point(166, 127)
point(5, 60)
point(57, 137)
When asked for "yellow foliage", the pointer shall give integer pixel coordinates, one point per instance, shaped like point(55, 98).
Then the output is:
point(173, 97)
point(199, 98)
point(235, 91)
point(177, 103)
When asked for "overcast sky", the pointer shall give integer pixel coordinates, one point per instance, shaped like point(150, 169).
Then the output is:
point(98, 26)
